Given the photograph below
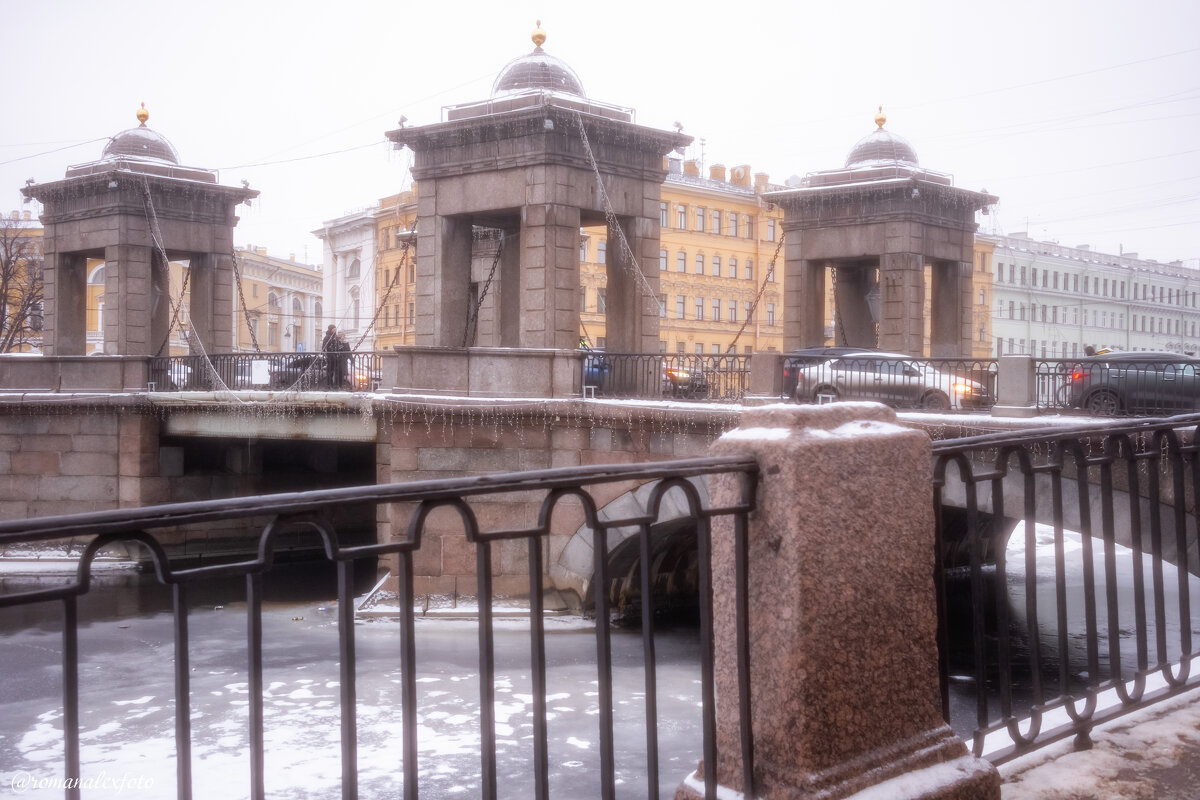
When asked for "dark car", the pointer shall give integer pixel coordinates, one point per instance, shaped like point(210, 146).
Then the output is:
point(793, 361)
point(1136, 383)
point(685, 377)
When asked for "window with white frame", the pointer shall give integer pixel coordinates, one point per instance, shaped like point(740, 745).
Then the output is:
point(680, 217)
point(716, 266)
point(716, 310)
point(699, 308)
point(700, 219)
point(733, 311)
point(699, 263)
point(770, 313)
point(681, 261)
point(732, 267)
point(716, 221)
point(662, 260)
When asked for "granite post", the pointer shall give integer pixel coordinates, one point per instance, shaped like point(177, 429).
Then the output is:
point(843, 622)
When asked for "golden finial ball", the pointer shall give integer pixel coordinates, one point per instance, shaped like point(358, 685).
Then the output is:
point(880, 118)
point(539, 35)
point(143, 114)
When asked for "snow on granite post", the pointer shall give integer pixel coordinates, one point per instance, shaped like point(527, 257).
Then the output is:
point(843, 621)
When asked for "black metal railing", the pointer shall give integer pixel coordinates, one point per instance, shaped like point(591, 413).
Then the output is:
point(300, 371)
point(310, 512)
point(1124, 384)
point(1093, 616)
point(677, 376)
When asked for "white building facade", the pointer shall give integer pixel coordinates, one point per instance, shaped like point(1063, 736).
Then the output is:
point(1051, 301)
point(349, 253)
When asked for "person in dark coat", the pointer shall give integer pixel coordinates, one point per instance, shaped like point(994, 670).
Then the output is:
point(330, 347)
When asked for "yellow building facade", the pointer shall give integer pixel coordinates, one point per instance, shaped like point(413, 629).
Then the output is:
point(720, 264)
point(396, 271)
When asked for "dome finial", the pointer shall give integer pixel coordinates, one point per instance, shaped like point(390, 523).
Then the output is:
point(143, 115)
point(539, 35)
point(880, 118)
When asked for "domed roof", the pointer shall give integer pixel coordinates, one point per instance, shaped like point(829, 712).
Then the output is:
point(537, 70)
point(140, 142)
point(881, 148)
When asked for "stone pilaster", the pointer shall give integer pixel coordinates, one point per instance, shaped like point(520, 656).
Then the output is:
point(843, 675)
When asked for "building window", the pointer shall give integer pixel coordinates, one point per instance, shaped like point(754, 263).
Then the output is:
point(716, 306)
point(272, 300)
point(583, 251)
point(662, 346)
point(733, 220)
point(681, 217)
point(662, 260)
point(679, 347)
point(681, 261)
point(716, 349)
point(982, 301)
point(699, 263)
point(716, 266)
point(749, 227)
point(601, 251)
point(355, 269)
point(770, 230)
point(680, 311)
point(716, 215)
point(749, 269)
point(662, 214)
point(770, 313)
point(411, 314)
point(732, 267)
point(601, 301)
point(700, 219)
point(748, 349)
point(662, 307)
point(699, 308)
point(749, 311)
point(982, 333)
point(273, 334)
point(583, 298)
point(732, 311)
point(699, 348)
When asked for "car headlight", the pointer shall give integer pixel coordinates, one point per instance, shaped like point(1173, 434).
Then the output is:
point(965, 388)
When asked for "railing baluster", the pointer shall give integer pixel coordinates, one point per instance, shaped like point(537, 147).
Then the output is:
point(254, 682)
point(603, 663)
point(741, 533)
point(537, 669)
point(646, 588)
point(183, 702)
point(487, 671)
point(347, 668)
point(70, 689)
point(708, 693)
point(408, 675)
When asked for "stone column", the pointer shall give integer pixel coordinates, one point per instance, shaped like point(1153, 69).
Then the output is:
point(632, 317)
point(443, 280)
point(950, 310)
point(902, 303)
point(549, 276)
point(130, 294)
point(200, 310)
point(508, 289)
point(64, 293)
point(803, 297)
point(842, 614)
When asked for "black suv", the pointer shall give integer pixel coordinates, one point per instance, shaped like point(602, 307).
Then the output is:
point(1136, 383)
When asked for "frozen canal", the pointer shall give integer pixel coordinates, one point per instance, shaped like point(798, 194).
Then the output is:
point(127, 722)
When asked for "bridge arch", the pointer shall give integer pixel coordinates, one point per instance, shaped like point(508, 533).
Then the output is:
point(672, 546)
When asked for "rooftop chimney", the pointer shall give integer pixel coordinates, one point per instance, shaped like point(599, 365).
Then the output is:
point(760, 182)
point(691, 167)
point(740, 176)
point(717, 172)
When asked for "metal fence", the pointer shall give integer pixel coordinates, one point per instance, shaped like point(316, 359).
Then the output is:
point(679, 376)
point(309, 512)
point(300, 371)
point(1069, 559)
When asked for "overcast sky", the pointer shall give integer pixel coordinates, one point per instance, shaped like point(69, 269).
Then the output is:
point(1080, 116)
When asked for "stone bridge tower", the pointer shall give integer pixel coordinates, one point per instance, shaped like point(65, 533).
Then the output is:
point(537, 160)
point(866, 233)
point(138, 209)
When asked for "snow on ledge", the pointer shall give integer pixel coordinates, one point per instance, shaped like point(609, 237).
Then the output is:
point(757, 434)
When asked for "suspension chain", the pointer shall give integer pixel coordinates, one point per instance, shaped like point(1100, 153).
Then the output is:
point(473, 316)
point(237, 278)
point(630, 261)
point(768, 278)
